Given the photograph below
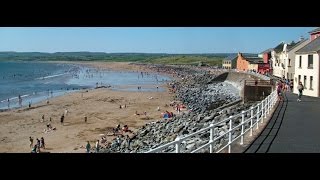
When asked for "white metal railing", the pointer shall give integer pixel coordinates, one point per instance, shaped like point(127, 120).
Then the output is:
point(248, 120)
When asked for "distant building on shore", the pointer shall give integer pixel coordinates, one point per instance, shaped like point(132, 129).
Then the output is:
point(307, 66)
point(230, 62)
point(253, 64)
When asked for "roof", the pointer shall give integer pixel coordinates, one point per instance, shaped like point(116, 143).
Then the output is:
point(313, 46)
point(266, 51)
point(315, 30)
point(292, 45)
point(231, 57)
point(254, 59)
point(279, 47)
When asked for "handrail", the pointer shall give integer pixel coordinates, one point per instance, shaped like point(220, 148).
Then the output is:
point(257, 114)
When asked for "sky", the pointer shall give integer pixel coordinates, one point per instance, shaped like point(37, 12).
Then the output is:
point(184, 40)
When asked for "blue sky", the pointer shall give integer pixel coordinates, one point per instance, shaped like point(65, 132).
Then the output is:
point(148, 40)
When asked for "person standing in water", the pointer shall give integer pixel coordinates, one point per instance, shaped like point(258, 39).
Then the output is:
point(20, 100)
point(8, 103)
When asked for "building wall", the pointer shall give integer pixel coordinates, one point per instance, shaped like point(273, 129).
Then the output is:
point(277, 68)
point(304, 71)
point(242, 64)
point(266, 57)
point(263, 68)
point(227, 64)
point(253, 67)
point(290, 70)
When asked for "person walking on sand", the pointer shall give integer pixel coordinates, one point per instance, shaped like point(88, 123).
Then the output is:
point(97, 146)
point(42, 118)
point(38, 145)
point(42, 143)
point(85, 119)
point(66, 112)
point(62, 119)
point(31, 141)
point(88, 147)
point(300, 89)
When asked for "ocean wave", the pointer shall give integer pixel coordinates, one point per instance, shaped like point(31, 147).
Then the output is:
point(52, 76)
point(13, 98)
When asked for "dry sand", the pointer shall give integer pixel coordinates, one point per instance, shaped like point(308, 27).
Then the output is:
point(101, 106)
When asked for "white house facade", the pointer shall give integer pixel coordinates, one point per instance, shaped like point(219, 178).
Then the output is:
point(283, 58)
point(307, 68)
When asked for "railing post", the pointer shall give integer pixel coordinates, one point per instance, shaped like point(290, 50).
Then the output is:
point(265, 108)
point(178, 144)
point(262, 108)
point(242, 127)
point(258, 117)
point(269, 103)
point(211, 138)
point(230, 134)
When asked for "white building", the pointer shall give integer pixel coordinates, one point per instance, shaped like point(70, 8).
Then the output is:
point(283, 58)
point(307, 66)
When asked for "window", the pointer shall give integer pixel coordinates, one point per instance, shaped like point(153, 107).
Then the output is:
point(300, 59)
point(310, 61)
point(311, 79)
point(305, 82)
point(299, 78)
point(289, 64)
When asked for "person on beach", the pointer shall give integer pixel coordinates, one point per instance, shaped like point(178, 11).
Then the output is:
point(38, 145)
point(42, 143)
point(88, 147)
point(42, 118)
point(97, 146)
point(34, 149)
point(20, 100)
point(62, 119)
point(31, 141)
point(66, 112)
point(29, 105)
point(8, 103)
point(85, 119)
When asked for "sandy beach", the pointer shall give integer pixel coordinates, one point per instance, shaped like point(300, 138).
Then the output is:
point(101, 106)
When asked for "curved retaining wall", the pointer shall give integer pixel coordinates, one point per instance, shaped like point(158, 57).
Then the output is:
point(237, 79)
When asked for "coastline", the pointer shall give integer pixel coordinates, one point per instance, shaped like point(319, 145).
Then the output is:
point(101, 106)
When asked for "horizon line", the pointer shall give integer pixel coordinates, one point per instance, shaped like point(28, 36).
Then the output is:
point(122, 52)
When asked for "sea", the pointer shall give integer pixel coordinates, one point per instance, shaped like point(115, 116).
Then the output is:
point(40, 81)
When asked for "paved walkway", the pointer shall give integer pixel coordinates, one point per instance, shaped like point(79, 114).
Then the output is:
point(293, 128)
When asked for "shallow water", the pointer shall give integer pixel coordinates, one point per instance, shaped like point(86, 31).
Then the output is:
point(38, 81)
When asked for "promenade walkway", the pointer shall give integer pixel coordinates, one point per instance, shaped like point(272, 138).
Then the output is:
point(293, 128)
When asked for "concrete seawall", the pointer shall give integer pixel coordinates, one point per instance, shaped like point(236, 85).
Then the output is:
point(237, 79)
